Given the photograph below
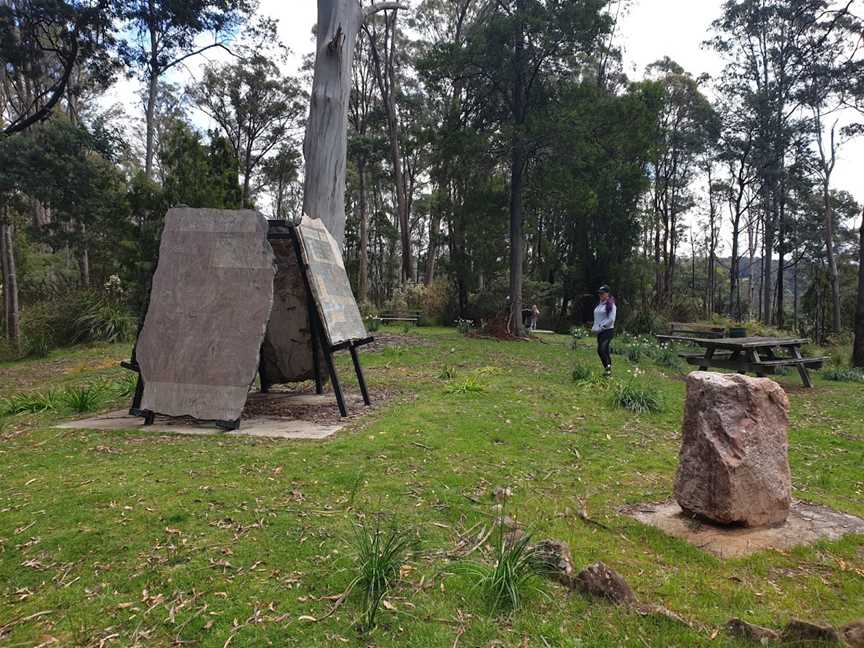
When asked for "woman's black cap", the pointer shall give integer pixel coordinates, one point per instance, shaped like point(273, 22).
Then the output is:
point(604, 289)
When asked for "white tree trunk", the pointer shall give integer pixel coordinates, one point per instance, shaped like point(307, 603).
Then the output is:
point(326, 145)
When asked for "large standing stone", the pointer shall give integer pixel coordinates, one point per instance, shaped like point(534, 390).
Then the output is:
point(209, 306)
point(734, 467)
point(286, 356)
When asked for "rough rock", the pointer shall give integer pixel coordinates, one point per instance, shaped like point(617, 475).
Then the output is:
point(751, 631)
point(854, 633)
point(798, 631)
point(286, 356)
point(554, 560)
point(209, 306)
point(733, 465)
point(600, 581)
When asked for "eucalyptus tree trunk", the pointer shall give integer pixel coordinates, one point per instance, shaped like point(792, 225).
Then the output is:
point(11, 310)
point(326, 145)
point(858, 349)
point(363, 282)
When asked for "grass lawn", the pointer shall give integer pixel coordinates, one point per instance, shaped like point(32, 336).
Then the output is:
point(121, 539)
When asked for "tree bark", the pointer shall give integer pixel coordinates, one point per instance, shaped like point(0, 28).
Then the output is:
point(325, 147)
point(833, 275)
point(10, 283)
point(152, 93)
point(363, 252)
point(858, 347)
point(517, 184)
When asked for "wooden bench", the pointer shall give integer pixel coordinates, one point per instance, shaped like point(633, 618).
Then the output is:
point(698, 330)
point(412, 317)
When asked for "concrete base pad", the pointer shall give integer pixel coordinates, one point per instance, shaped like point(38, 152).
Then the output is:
point(266, 427)
point(807, 524)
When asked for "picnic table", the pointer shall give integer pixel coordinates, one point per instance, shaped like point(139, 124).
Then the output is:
point(759, 355)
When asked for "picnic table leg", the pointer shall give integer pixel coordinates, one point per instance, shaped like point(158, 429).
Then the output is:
point(735, 355)
point(756, 359)
point(802, 369)
point(706, 361)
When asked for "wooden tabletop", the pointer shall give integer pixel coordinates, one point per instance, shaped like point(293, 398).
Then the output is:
point(738, 343)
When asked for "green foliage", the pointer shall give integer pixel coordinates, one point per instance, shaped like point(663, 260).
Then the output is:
point(447, 373)
point(582, 373)
point(379, 555)
point(103, 319)
point(839, 374)
point(666, 356)
point(513, 573)
point(30, 403)
point(637, 398)
point(471, 385)
point(645, 322)
point(84, 398)
point(196, 174)
point(577, 334)
point(464, 326)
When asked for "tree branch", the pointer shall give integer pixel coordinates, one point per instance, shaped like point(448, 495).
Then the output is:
point(382, 6)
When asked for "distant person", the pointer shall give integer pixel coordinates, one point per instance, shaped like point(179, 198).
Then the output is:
point(604, 326)
point(535, 317)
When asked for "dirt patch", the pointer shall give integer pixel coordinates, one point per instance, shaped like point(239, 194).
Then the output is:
point(808, 523)
point(308, 406)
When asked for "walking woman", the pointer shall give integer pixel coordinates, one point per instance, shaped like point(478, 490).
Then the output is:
point(604, 326)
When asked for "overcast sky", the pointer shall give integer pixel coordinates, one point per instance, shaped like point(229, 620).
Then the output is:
point(652, 29)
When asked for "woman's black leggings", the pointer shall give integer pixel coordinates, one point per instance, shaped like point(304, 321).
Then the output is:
point(604, 338)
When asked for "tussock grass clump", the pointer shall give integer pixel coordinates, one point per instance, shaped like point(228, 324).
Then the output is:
point(582, 374)
point(85, 398)
point(471, 385)
point(505, 583)
point(380, 553)
point(634, 397)
point(30, 403)
point(447, 373)
point(667, 357)
point(844, 375)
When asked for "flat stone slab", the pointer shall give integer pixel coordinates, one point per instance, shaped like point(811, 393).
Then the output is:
point(264, 427)
point(209, 306)
point(807, 524)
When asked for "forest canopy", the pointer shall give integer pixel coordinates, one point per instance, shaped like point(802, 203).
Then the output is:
point(499, 156)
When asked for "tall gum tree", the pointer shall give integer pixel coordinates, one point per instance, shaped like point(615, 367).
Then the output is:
point(326, 144)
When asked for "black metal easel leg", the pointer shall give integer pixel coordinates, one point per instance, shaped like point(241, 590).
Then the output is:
point(337, 388)
point(135, 410)
point(361, 380)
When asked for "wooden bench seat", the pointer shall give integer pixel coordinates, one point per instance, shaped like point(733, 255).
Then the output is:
point(411, 317)
point(813, 363)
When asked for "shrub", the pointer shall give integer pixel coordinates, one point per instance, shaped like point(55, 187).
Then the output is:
point(464, 326)
point(844, 375)
point(646, 322)
point(379, 556)
point(103, 320)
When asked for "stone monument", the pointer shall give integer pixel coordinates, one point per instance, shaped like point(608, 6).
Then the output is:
point(734, 466)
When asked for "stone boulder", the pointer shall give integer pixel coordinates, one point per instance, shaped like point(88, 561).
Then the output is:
point(734, 466)
point(600, 581)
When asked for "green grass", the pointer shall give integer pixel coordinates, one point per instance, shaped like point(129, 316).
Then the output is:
point(132, 538)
